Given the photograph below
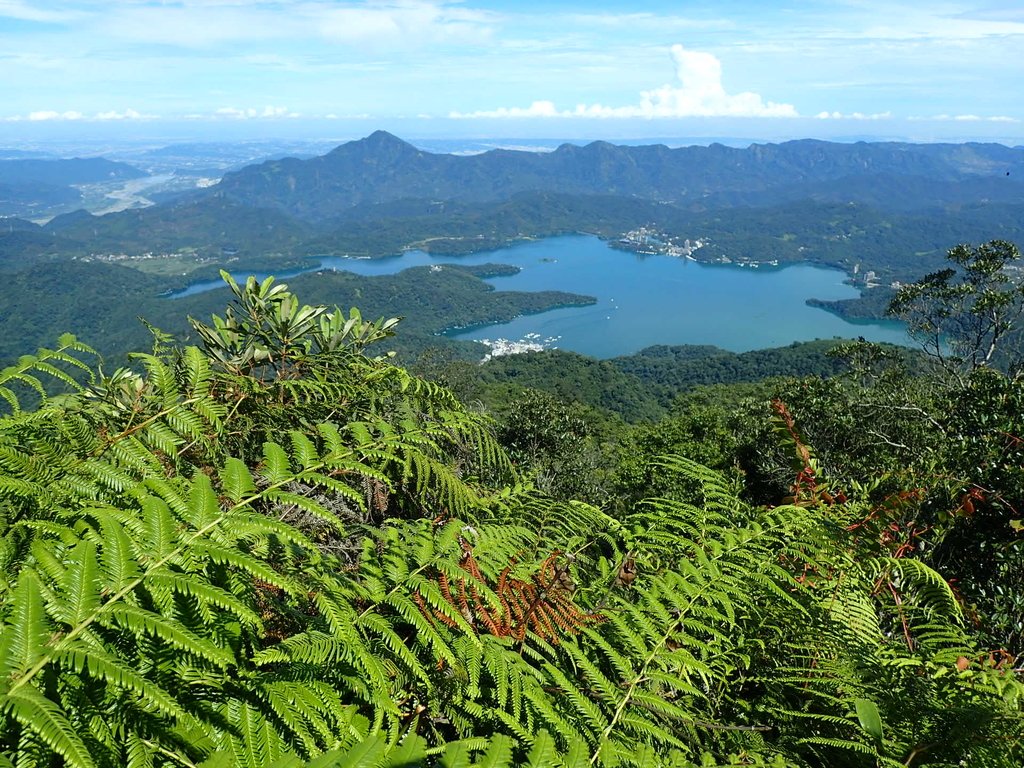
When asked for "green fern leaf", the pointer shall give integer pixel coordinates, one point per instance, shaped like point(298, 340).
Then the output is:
point(117, 558)
point(101, 666)
point(543, 753)
point(276, 465)
point(203, 508)
point(171, 632)
point(206, 593)
point(82, 578)
point(455, 755)
point(237, 480)
point(257, 742)
point(26, 632)
point(160, 528)
point(42, 717)
point(498, 754)
point(304, 450)
point(412, 751)
point(366, 754)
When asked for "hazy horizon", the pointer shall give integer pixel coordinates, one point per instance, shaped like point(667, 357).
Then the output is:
point(310, 142)
point(173, 71)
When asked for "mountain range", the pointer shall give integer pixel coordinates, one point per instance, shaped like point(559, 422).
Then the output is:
point(382, 168)
point(892, 207)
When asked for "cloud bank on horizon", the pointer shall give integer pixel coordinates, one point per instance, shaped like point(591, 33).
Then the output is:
point(495, 65)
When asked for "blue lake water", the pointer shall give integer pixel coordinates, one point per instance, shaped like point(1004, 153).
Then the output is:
point(645, 300)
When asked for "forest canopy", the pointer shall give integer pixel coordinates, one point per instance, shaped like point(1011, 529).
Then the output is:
point(278, 547)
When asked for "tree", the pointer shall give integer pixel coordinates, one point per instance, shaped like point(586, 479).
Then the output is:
point(555, 443)
point(961, 315)
point(983, 474)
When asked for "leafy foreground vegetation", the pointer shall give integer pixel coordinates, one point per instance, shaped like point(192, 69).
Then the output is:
point(276, 549)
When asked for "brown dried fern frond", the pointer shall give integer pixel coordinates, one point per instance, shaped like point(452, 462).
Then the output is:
point(543, 603)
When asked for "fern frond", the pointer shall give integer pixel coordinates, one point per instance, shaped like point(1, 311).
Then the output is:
point(43, 718)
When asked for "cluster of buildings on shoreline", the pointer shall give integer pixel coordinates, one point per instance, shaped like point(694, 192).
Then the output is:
point(531, 342)
point(147, 256)
point(650, 241)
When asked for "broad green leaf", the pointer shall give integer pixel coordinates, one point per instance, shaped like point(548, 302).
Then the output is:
point(870, 719)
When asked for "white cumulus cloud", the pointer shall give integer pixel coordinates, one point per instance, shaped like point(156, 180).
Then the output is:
point(251, 113)
point(966, 118)
point(536, 109)
point(702, 94)
point(49, 114)
point(853, 116)
point(699, 92)
point(128, 114)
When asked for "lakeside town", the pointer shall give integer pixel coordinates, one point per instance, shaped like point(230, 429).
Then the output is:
point(649, 241)
point(531, 342)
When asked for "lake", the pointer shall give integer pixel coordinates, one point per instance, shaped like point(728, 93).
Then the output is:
point(644, 300)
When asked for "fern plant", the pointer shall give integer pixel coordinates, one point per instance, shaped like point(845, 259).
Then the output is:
point(280, 550)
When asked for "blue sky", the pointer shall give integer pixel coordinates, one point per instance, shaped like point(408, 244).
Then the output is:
point(860, 68)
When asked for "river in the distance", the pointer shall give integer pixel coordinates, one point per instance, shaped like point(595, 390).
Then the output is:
point(645, 300)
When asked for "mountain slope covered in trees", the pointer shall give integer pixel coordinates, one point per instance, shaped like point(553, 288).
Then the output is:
point(29, 186)
point(382, 168)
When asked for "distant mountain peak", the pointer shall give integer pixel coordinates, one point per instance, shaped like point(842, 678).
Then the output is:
point(377, 142)
point(380, 137)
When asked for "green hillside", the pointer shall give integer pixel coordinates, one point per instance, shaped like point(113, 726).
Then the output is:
point(105, 302)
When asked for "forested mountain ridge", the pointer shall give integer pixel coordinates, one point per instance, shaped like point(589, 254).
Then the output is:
point(65, 172)
point(382, 168)
point(209, 227)
point(105, 301)
point(30, 184)
point(638, 387)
